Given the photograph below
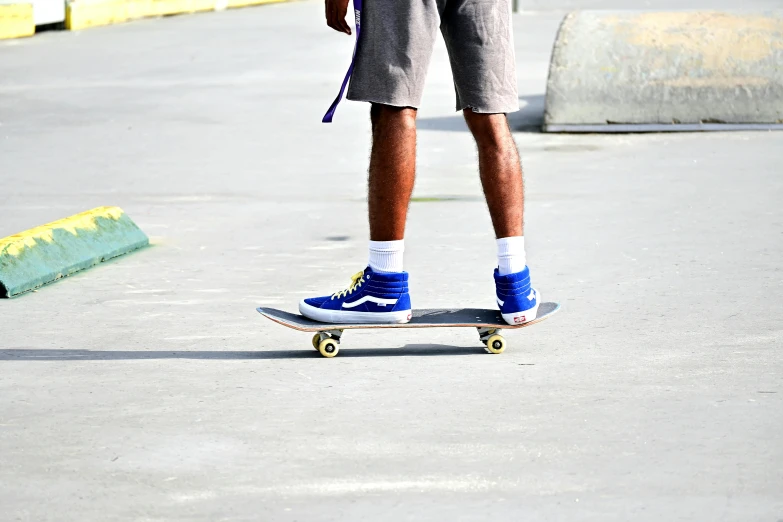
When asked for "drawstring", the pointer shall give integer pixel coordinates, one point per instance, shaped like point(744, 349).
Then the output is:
point(357, 9)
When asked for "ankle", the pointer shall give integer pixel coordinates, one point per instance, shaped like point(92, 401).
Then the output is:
point(511, 255)
point(386, 256)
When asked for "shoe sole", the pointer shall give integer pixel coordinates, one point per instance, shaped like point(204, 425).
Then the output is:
point(525, 316)
point(348, 317)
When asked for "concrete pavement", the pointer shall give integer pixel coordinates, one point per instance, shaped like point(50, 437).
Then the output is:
point(150, 389)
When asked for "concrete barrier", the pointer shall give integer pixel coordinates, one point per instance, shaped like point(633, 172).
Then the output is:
point(47, 253)
point(629, 71)
point(16, 20)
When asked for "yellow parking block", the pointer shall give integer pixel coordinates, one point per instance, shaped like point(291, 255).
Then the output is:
point(16, 20)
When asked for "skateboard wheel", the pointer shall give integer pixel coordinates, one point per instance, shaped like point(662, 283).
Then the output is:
point(496, 344)
point(316, 341)
point(328, 347)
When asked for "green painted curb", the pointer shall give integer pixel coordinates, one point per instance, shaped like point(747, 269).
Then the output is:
point(42, 255)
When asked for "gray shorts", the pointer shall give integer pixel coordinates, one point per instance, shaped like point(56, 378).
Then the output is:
point(396, 44)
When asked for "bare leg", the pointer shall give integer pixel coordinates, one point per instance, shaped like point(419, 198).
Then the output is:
point(500, 171)
point(392, 170)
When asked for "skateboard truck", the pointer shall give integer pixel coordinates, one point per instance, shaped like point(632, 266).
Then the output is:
point(327, 342)
point(493, 342)
point(330, 334)
point(485, 333)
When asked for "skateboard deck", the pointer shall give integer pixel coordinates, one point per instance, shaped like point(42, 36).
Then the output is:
point(327, 335)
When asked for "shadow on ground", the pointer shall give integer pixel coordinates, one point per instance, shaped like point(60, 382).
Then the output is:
point(415, 350)
point(530, 118)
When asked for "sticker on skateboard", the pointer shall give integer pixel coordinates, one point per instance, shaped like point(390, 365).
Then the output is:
point(327, 335)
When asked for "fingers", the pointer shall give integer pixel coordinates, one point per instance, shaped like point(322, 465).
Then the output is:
point(342, 9)
point(330, 14)
point(342, 25)
point(335, 15)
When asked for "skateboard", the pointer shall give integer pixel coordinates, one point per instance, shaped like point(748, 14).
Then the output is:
point(488, 323)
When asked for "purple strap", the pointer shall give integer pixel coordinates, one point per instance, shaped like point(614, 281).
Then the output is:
point(357, 9)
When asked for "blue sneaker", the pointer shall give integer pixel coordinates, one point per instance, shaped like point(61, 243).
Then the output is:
point(372, 297)
point(517, 299)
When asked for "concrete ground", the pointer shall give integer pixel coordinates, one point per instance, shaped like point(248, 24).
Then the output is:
point(149, 388)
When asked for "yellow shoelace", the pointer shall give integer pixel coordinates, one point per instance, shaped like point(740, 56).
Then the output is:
point(356, 280)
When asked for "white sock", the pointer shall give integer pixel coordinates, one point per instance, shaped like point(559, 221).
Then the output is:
point(386, 256)
point(511, 255)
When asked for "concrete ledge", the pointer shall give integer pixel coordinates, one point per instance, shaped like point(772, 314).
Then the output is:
point(81, 14)
point(16, 20)
point(677, 68)
point(47, 253)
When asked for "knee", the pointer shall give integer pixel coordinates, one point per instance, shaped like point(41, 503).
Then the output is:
point(403, 118)
point(489, 130)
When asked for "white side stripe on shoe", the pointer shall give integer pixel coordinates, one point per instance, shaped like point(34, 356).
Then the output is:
point(499, 301)
point(532, 295)
point(376, 300)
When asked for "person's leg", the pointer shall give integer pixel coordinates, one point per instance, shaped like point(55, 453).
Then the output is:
point(379, 294)
point(388, 70)
point(500, 171)
point(501, 178)
point(480, 43)
point(392, 170)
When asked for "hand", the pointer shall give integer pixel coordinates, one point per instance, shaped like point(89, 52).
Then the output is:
point(335, 15)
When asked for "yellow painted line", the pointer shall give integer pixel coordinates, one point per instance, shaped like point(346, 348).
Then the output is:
point(16, 244)
point(81, 14)
point(246, 3)
point(16, 20)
